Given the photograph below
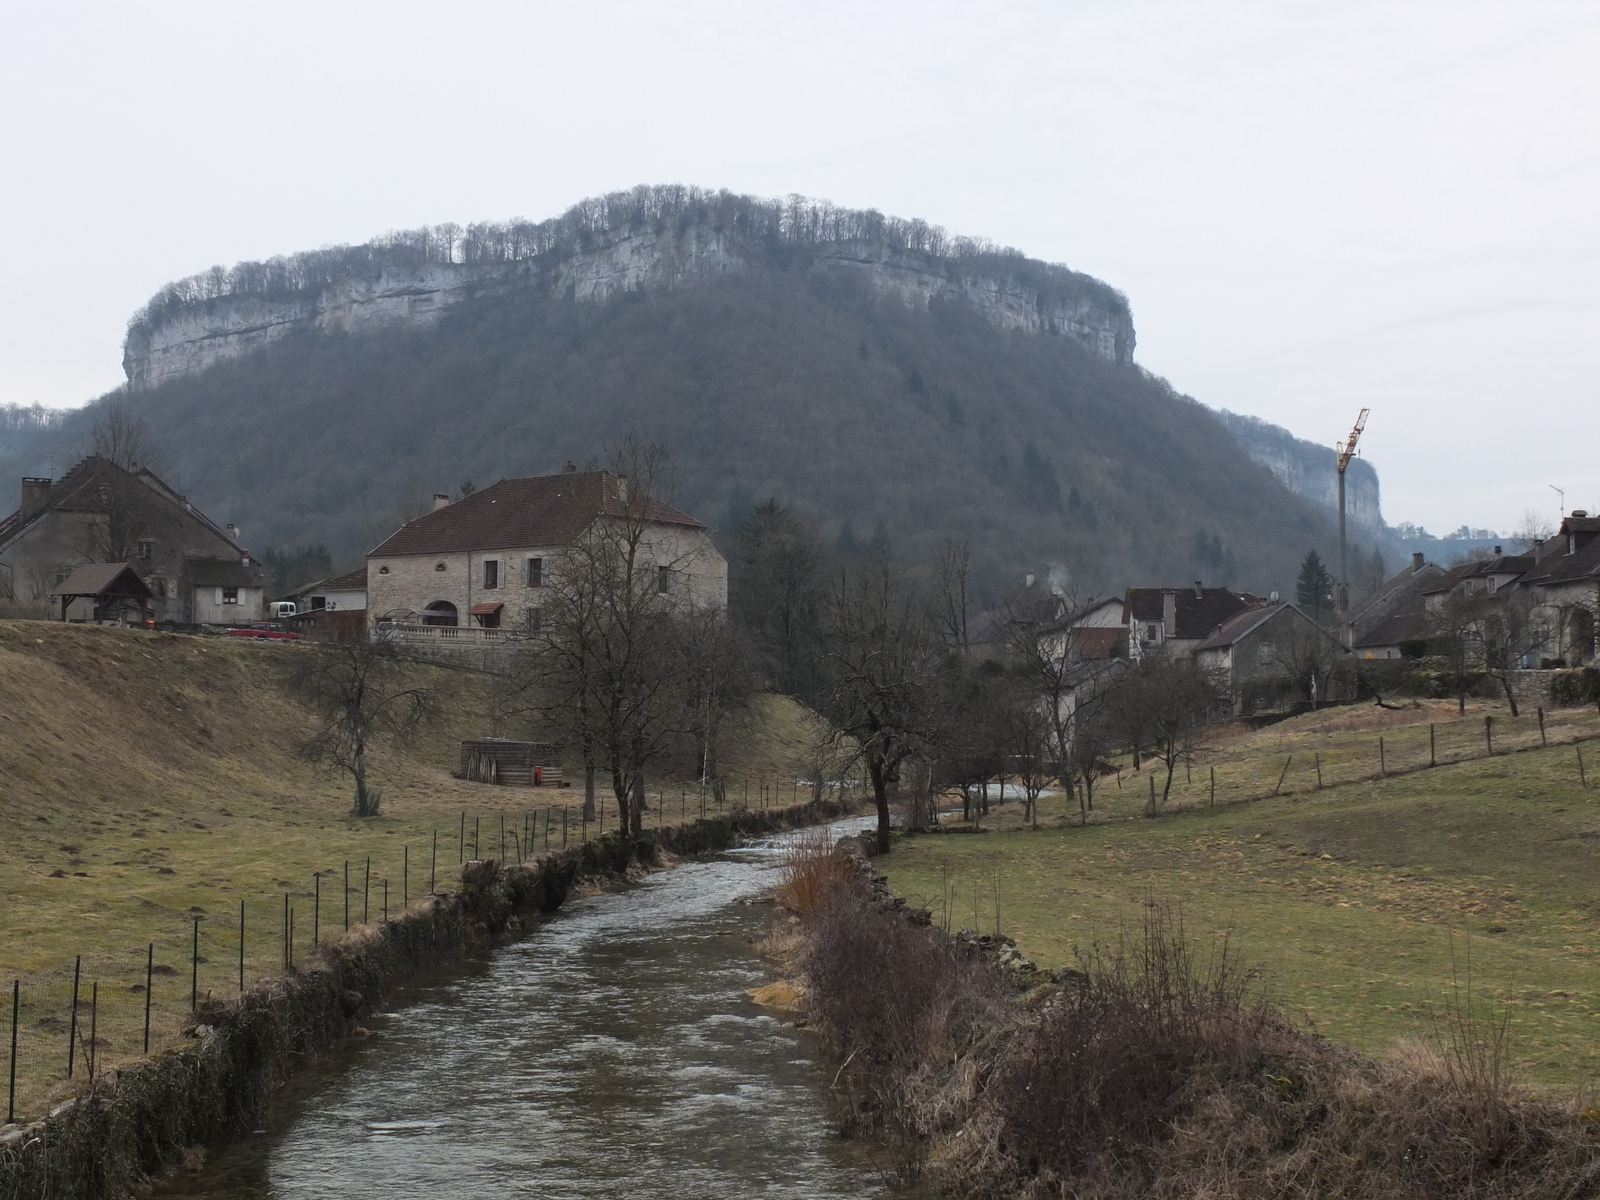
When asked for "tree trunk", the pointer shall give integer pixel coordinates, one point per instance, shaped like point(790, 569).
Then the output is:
point(588, 790)
point(1511, 698)
point(638, 801)
point(880, 792)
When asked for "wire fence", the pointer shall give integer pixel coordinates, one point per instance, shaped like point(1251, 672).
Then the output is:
point(106, 1007)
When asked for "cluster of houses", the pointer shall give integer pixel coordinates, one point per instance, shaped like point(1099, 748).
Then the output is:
point(114, 544)
point(108, 544)
point(1268, 653)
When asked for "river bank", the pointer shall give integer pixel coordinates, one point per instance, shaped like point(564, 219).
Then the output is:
point(139, 1121)
point(1158, 1069)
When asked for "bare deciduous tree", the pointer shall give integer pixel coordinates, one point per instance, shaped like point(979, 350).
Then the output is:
point(880, 663)
point(361, 692)
point(607, 652)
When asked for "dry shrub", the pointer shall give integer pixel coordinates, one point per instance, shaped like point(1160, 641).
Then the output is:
point(1105, 1073)
point(1162, 1071)
point(894, 1000)
point(811, 871)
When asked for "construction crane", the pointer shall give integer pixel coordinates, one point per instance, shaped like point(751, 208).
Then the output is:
point(1343, 453)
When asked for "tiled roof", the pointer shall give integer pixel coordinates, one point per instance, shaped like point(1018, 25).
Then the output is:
point(353, 581)
point(221, 572)
point(1196, 615)
point(96, 578)
point(1402, 627)
point(544, 510)
point(1240, 626)
point(1561, 568)
point(81, 490)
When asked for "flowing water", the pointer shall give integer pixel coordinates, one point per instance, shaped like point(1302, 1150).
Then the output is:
point(611, 1052)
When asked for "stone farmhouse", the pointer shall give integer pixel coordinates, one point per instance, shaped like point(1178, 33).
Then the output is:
point(100, 512)
point(474, 572)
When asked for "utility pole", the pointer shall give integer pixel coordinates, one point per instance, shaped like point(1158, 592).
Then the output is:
point(1343, 453)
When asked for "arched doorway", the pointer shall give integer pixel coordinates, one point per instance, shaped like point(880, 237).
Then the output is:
point(440, 612)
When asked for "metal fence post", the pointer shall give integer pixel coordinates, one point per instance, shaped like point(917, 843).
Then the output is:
point(16, 1012)
point(347, 895)
point(72, 1027)
point(433, 863)
point(316, 911)
point(149, 983)
point(366, 888)
point(194, 970)
point(94, 1026)
point(241, 945)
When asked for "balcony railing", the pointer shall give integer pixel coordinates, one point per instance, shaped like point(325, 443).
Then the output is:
point(447, 635)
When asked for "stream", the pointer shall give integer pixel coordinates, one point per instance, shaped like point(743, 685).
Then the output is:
point(612, 1051)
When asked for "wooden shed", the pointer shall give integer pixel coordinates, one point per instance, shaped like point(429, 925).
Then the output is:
point(513, 764)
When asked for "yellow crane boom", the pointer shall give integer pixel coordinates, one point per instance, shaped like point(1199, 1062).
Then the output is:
point(1347, 450)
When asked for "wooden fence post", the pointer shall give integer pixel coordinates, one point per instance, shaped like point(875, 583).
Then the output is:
point(1383, 759)
point(1543, 740)
point(1488, 733)
point(1282, 776)
point(1432, 761)
point(1318, 758)
point(1213, 787)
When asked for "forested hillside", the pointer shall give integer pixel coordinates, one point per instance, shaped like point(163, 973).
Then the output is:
point(851, 408)
point(864, 385)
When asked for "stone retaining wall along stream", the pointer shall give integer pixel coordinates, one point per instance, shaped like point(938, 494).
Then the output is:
point(134, 1123)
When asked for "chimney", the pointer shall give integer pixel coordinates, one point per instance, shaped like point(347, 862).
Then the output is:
point(1199, 592)
point(622, 489)
point(233, 532)
point(1027, 580)
point(570, 469)
point(1497, 551)
point(35, 498)
point(1416, 561)
point(1580, 513)
point(440, 500)
point(1169, 613)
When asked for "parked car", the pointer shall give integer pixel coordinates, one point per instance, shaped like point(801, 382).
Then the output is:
point(268, 631)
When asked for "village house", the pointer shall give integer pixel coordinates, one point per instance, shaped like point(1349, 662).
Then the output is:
point(473, 571)
point(342, 593)
point(1268, 657)
point(1565, 581)
point(102, 513)
point(1175, 621)
point(1392, 622)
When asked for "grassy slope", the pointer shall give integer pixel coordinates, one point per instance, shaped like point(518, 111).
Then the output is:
point(159, 774)
point(1362, 900)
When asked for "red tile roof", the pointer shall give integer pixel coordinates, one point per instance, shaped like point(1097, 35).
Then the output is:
point(1196, 615)
point(543, 510)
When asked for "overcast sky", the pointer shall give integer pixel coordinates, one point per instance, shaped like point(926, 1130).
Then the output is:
point(1312, 207)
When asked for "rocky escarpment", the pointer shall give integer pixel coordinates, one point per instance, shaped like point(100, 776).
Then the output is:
point(1308, 470)
point(648, 239)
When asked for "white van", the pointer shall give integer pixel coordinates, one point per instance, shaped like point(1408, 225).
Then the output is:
point(279, 609)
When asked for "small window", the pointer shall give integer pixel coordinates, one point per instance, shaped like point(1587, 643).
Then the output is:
point(1150, 632)
point(319, 602)
point(230, 595)
point(534, 575)
point(533, 618)
point(663, 580)
point(1266, 653)
point(491, 573)
point(147, 549)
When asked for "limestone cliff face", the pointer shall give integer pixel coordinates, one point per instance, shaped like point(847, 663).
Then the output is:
point(1308, 469)
point(200, 323)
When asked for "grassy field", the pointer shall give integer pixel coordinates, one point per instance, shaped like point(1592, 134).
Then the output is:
point(148, 779)
point(1367, 901)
